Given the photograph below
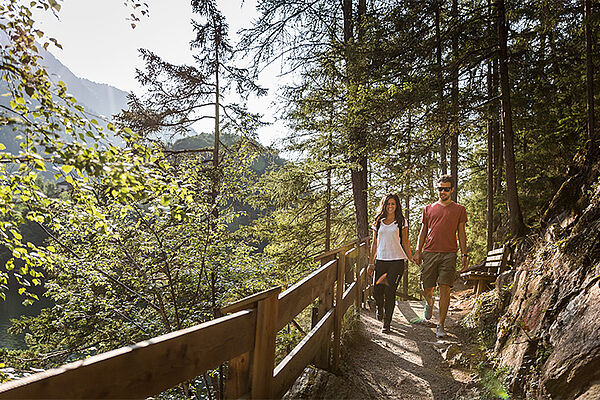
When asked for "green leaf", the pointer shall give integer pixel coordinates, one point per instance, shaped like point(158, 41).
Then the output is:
point(67, 168)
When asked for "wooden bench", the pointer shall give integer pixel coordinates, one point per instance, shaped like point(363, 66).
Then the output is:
point(495, 263)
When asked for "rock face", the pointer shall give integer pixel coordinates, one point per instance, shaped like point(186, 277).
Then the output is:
point(549, 335)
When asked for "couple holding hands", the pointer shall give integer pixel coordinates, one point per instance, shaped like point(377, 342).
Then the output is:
point(435, 252)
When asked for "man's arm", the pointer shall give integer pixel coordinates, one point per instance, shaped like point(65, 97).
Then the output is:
point(462, 241)
point(420, 243)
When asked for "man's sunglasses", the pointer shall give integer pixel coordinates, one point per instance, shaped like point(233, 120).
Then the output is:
point(445, 189)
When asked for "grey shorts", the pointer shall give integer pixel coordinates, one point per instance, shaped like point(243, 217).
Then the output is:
point(438, 268)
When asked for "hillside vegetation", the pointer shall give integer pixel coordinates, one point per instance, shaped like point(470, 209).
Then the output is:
point(542, 326)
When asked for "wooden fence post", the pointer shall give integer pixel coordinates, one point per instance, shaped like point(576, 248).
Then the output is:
point(263, 359)
point(238, 376)
point(358, 299)
point(325, 304)
point(339, 308)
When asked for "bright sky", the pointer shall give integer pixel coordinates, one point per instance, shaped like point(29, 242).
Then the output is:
point(100, 45)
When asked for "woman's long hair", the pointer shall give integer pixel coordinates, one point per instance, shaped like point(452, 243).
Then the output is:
point(382, 212)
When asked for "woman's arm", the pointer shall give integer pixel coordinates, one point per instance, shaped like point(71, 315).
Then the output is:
point(406, 244)
point(372, 254)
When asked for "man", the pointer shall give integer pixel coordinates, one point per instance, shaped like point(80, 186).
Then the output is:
point(436, 248)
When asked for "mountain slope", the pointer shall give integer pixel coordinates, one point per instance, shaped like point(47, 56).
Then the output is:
point(97, 98)
point(549, 335)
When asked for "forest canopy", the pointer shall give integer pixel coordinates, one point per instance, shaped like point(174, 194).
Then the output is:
point(153, 235)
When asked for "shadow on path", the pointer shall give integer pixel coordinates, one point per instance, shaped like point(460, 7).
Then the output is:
point(404, 364)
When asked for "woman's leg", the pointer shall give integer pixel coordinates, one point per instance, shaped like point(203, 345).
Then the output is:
point(395, 271)
point(381, 268)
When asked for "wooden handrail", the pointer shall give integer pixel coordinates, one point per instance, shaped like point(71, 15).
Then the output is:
point(143, 369)
point(245, 339)
point(337, 250)
point(300, 295)
point(250, 301)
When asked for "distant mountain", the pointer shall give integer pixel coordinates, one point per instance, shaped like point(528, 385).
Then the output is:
point(98, 99)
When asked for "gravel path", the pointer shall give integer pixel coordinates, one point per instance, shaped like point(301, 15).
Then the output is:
point(408, 363)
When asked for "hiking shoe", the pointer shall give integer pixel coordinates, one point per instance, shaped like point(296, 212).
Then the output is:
point(428, 311)
point(440, 332)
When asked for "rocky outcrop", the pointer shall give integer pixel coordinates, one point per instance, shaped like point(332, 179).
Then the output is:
point(549, 335)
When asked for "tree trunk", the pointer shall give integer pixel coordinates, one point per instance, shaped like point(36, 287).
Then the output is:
point(219, 389)
point(589, 67)
point(517, 227)
point(492, 137)
point(407, 191)
point(454, 95)
point(490, 162)
point(499, 156)
point(443, 121)
point(215, 180)
point(328, 200)
point(358, 172)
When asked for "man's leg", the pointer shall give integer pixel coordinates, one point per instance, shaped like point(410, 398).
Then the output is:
point(447, 274)
point(428, 294)
point(429, 276)
point(444, 303)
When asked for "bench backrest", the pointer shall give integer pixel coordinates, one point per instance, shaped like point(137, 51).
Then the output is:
point(497, 260)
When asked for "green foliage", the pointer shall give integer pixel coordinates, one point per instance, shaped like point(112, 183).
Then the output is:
point(483, 318)
point(53, 134)
point(138, 268)
point(294, 228)
point(135, 246)
point(492, 382)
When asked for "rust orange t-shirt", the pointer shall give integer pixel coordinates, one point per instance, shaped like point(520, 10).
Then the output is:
point(442, 224)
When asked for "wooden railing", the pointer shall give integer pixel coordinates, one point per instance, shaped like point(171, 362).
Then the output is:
point(244, 339)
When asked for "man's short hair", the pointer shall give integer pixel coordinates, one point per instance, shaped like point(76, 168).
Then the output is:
point(446, 178)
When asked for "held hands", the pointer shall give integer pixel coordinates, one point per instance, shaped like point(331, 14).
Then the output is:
point(417, 257)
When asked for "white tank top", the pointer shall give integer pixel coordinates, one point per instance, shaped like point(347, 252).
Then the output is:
point(388, 242)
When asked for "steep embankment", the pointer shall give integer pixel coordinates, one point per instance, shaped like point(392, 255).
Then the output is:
point(549, 335)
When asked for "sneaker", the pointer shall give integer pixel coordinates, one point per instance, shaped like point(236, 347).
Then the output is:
point(440, 332)
point(428, 311)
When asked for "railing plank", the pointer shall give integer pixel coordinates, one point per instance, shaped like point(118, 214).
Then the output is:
point(294, 363)
point(344, 246)
point(143, 369)
point(297, 297)
point(249, 302)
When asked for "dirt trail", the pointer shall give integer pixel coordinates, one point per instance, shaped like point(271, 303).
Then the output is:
point(408, 363)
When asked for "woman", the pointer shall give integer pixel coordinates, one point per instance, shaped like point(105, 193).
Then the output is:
point(389, 251)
